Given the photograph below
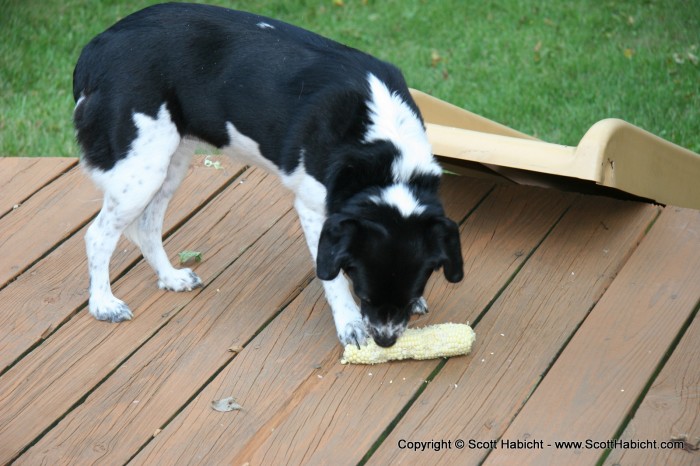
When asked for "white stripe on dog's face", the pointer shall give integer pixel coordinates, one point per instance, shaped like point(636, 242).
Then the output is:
point(393, 120)
point(400, 197)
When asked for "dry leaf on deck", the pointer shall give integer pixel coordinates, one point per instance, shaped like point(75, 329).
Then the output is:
point(225, 405)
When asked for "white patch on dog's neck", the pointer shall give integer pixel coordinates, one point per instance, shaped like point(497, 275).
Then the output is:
point(307, 189)
point(401, 198)
point(393, 120)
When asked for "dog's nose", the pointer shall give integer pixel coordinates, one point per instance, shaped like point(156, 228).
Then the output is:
point(385, 341)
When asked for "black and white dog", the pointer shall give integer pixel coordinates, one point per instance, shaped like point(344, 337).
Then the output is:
point(337, 125)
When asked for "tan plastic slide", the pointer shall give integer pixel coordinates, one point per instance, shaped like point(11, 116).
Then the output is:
point(612, 153)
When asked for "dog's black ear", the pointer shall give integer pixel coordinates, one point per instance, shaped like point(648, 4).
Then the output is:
point(447, 233)
point(334, 245)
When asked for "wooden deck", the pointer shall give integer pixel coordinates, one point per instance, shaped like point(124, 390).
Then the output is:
point(585, 310)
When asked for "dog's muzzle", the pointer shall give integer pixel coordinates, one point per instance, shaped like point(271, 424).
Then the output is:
point(385, 335)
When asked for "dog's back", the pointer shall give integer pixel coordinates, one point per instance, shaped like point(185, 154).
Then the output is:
point(211, 65)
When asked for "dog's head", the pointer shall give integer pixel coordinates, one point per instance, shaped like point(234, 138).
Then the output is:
point(389, 258)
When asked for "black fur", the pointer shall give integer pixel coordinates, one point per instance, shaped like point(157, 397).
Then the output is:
point(375, 245)
point(287, 89)
point(229, 70)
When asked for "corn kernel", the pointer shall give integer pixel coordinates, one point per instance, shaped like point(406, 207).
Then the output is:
point(434, 341)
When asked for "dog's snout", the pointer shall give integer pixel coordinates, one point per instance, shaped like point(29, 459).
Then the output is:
point(385, 341)
point(386, 324)
point(386, 335)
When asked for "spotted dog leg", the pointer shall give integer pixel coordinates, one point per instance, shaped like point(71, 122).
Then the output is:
point(147, 230)
point(128, 188)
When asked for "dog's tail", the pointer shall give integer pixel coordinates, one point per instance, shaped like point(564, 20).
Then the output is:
point(81, 75)
point(88, 115)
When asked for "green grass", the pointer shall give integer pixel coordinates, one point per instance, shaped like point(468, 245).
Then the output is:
point(550, 68)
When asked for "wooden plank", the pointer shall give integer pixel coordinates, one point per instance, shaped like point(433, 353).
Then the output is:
point(521, 334)
point(96, 417)
point(670, 410)
point(292, 399)
point(43, 385)
point(57, 285)
point(459, 193)
point(20, 177)
point(44, 220)
point(601, 373)
point(269, 375)
point(165, 373)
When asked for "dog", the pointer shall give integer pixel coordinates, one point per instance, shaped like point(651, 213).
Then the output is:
point(338, 126)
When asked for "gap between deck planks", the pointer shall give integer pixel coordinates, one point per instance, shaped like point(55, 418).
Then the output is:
point(670, 410)
point(54, 288)
point(309, 400)
point(44, 384)
point(601, 373)
point(125, 411)
point(20, 177)
point(137, 423)
point(523, 331)
point(293, 350)
point(65, 205)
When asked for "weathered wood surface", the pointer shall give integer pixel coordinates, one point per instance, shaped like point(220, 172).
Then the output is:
point(524, 330)
point(40, 299)
point(573, 298)
point(670, 410)
point(20, 177)
point(599, 376)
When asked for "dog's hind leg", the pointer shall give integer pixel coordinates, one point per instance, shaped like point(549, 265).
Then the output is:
point(147, 230)
point(129, 186)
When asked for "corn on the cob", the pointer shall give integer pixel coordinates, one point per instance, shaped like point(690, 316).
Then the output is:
point(434, 341)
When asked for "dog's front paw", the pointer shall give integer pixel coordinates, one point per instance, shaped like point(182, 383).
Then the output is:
point(110, 309)
point(420, 307)
point(353, 333)
point(179, 280)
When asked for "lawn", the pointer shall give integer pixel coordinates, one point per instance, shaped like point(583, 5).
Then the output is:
point(549, 68)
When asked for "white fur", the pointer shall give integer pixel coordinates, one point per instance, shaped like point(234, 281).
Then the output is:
point(310, 204)
point(393, 120)
point(141, 183)
point(139, 187)
point(419, 307)
point(137, 190)
point(400, 197)
point(147, 231)
point(246, 150)
point(307, 189)
point(387, 330)
point(80, 101)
